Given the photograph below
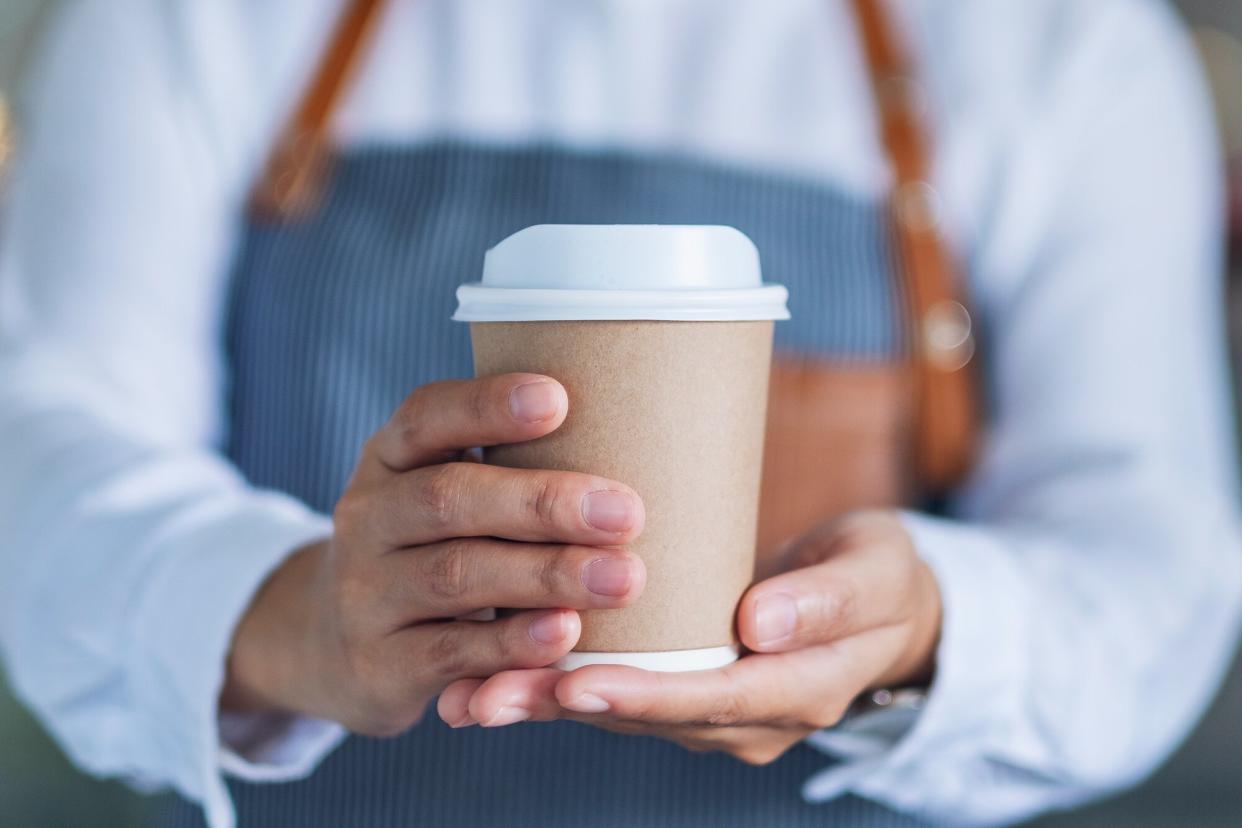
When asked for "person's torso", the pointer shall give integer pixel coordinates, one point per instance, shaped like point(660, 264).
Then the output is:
point(333, 320)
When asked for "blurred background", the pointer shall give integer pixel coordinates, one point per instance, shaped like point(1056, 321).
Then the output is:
point(1201, 786)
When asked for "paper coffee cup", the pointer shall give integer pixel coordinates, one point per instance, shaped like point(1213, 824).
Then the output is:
point(662, 337)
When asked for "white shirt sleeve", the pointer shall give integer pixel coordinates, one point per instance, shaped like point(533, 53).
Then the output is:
point(1091, 570)
point(130, 546)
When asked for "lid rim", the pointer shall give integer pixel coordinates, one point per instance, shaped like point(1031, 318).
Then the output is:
point(478, 302)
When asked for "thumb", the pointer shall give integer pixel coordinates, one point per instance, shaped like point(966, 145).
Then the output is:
point(847, 594)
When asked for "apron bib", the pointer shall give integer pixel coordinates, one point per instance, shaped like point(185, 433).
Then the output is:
point(336, 319)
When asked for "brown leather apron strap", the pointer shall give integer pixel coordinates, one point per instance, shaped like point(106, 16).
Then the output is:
point(297, 167)
point(940, 326)
point(946, 399)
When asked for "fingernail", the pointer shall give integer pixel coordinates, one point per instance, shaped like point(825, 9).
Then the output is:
point(464, 722)
point(548, 629)
point(610, 511)
point(507, 716)
point(775, 618)
point(534, 401)
point(588, 703)
point(608, 576)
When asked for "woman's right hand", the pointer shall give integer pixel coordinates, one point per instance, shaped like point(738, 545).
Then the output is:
point(364, 629)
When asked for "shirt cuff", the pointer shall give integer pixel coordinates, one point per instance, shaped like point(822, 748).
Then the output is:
point(260, 747)
point(978, 672)
point(209, 570)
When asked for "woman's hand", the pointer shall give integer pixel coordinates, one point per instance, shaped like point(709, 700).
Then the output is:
point(857, 609)
point(365, 628)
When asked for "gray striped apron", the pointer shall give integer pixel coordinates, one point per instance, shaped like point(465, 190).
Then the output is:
point(335, 319)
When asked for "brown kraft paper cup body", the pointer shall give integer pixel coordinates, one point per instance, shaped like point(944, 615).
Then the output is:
point(675, 410)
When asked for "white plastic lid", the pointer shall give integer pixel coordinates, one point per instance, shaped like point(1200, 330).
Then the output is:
point(622, 271)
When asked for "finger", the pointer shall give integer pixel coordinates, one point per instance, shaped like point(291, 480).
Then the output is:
point(456, 500)
point(843, 596)
point(443, 418)
point(516, 696)
point(454, 577)
point(809, 688)
point(709, 697)
point(440, 653)
point(452, 704)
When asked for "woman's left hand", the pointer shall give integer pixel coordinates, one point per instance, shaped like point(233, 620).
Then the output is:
point(855, 608)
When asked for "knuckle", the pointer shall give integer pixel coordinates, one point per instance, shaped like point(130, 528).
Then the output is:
point(839, 604)
point(349, 514)
point(728, 707)
point(725, 711)
point(551, 575)
point(542, 500)
point(827, 612)
point(478, 403)
point(445, 571)
point(446, 652)
point(411, 415)
point(439, 493)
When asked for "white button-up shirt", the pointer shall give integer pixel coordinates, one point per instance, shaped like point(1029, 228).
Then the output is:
point(1090, 569)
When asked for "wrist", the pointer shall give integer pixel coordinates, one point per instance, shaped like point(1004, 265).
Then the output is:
point(269, 663)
